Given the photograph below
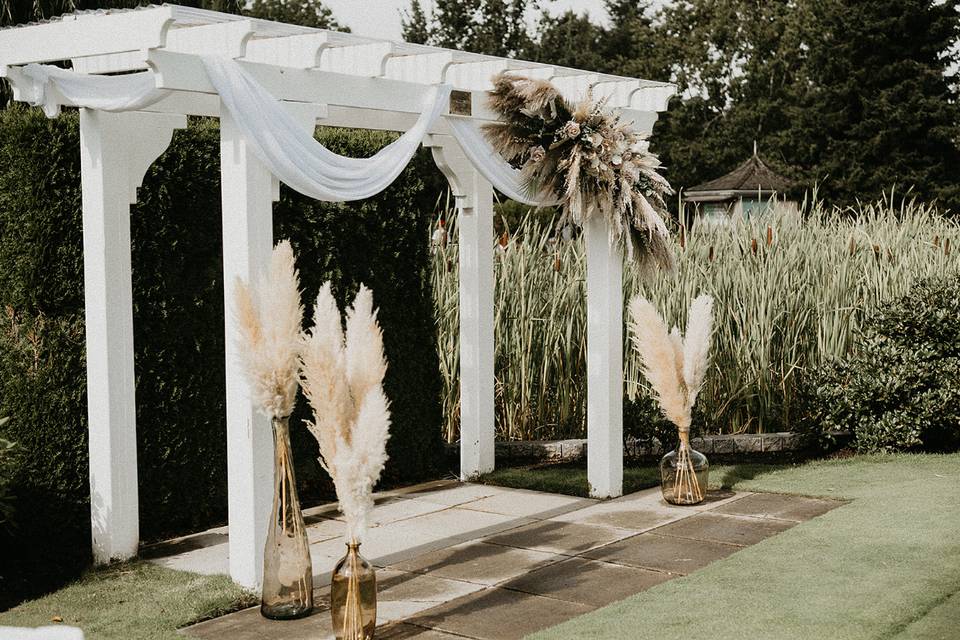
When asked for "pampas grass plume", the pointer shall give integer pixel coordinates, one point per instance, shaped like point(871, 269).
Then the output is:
point(657, 349)
point(675, 365)
point(696, 345)
point(342, 377)
point(269, 320)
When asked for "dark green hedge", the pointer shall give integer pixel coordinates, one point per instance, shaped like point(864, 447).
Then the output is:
point(178, 330)
point(899, 390)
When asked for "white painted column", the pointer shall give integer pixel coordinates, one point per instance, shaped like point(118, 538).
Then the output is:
point(475, 224)
point(604, 362)
point(247, 201)
point(115, 152)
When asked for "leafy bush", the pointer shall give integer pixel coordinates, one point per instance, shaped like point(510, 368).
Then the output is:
point(899, 391)
point(178, 330)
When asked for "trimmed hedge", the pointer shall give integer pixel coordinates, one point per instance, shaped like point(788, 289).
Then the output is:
point(178, 331)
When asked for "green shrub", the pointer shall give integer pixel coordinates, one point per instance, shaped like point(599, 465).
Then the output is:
point(899, 391)
point(178, 330)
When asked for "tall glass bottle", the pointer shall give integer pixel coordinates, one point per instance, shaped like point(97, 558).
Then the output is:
point(287, 570)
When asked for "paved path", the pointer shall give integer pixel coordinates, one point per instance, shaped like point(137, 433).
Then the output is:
point(483, 562)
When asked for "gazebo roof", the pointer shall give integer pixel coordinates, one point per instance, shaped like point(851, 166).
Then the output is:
point(751, 177)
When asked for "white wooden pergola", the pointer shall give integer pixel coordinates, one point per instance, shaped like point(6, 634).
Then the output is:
point(321, 77)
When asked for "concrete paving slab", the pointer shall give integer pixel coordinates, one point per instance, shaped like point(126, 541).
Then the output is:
point(729, 529)
point(456, 495)
point(530, 504)
point(406, 539)
point(662, 553)
point(588, 582)
point(402, 595)
point(499, 614)
point(210, 560)
point(783, 507)
point(479, 562)
point(250, 625)
point(476, 561)
point(566, 538)
point(405, 631)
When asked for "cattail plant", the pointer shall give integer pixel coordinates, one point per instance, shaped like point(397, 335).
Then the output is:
point(799, 307)
point(675, 365)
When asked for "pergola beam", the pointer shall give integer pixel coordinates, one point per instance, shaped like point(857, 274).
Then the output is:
point(185, 72)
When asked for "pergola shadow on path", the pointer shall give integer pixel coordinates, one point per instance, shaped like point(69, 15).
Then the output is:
point(319, 77)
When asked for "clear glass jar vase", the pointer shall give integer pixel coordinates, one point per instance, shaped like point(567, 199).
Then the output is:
point(684, 473)
point(287, 570)
point(353, 596)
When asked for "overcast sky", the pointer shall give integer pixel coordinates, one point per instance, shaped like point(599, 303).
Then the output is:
point(381, 18)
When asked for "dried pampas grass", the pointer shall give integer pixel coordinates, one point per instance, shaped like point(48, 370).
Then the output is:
point(269, 320)
point(342, 377)
point(675, 365)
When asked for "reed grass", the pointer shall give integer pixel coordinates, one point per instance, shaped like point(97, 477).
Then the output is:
point(791, 290)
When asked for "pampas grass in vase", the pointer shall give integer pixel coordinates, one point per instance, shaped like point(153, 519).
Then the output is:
point(675, 366)
point(269, 317)
point(342, 377)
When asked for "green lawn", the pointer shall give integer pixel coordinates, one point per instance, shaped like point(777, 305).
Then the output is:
point(134, 601)
point(571, 479)
point(886, 566)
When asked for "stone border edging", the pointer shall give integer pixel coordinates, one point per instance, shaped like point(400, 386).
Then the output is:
point(576, 448)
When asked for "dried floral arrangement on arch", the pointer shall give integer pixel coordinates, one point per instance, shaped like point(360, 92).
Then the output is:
point(585, 156)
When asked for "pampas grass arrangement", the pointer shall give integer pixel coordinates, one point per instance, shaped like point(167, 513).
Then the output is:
point(587, 158)
point(269, 319)
point(342, 377)
point(675, 365)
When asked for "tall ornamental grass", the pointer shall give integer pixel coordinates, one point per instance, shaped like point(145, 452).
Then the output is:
point(790, 293)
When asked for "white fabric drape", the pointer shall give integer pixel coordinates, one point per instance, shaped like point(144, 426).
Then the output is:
point(106, 93)
point(296, 158)
point(492, 166)
point(289, 151)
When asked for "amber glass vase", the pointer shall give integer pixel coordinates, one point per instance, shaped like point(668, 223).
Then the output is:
point(287, 570)
point(353, 596)
point(684, 473)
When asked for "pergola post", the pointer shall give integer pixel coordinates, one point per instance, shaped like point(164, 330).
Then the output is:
point(604, 361)
point(116, 149)
point(247, 203)
point(474, 197)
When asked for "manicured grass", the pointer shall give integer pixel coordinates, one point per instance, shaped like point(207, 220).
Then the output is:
point(134, 601)
point(885, 566)
point(571, 479)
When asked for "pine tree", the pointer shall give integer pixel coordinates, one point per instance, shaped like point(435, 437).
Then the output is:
point(307, 13)
point(881, 109)
point(414, 24)
point(570, 40)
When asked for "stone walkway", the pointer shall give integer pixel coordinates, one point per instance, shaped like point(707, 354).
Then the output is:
point(475, 561)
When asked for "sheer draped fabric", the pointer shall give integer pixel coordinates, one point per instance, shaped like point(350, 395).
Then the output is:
point(288, 149)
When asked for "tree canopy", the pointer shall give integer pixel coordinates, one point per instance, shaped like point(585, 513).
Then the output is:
point(856, 98)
